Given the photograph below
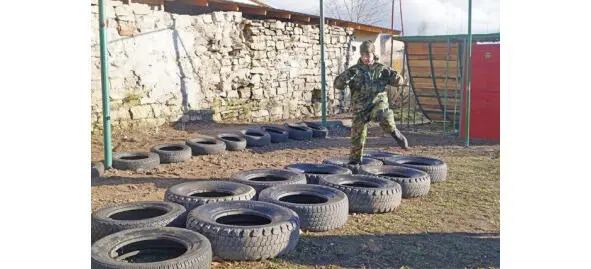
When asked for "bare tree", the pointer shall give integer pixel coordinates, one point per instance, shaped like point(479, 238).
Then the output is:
point(359, 11)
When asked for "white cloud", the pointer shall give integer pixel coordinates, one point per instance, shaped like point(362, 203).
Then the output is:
point(424, 17)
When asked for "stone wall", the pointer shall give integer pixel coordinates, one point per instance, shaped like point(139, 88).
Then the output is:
point(217, 66)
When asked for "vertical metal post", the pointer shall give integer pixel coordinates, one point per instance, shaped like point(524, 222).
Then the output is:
point(392, 37)
point(322, 63)
point(468, 74)
point(463, 84)
point(458, 64)
point(445, 89)
point(105, 85)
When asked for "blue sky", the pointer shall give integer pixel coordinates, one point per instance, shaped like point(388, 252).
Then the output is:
point(424, 17)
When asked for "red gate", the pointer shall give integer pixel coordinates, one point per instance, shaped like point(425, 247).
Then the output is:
point(485, 111)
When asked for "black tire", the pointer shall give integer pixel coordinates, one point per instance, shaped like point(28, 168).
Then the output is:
point(256, 138)
point(319, 208)
point(380, 155)
point(299, 132)
point(197, 193)
point(263, 178)
point(367, 194)
point(318, 131)
point(246, 230)
point(97, 170)
point(176, 248)
point(437, 169)
point(172, 153)
point(135, 160)
point(344, 162)
point(315, 171)
point(278, 134)
point(206, 146)
point(234, 142)
point(126, 216)
point(414, 183)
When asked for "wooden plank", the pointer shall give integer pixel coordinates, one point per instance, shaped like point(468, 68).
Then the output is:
point(431, 93)
point(434, 50)
point(436, 63)
point(353, 25)
point(201, 3)
point(426, 71)
point(434, 45)
point(224, 6)
point(428, 83)
point(149, 2)
point(300, 18)
point(432, 104)
point(435, 57)
point(278, 14)
point(254, 10)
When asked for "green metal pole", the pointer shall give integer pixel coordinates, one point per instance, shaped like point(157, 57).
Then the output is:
point(322, 63)
point(455, 127)
point(468, 74)
point(445, 91)
point(105, 86)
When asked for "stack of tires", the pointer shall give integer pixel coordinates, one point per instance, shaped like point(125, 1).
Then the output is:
point(256, 214)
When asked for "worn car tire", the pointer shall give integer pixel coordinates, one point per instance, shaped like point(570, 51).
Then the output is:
point(256, 138)
point(172, 153)
point(298, 132)
point(437, 169)
point(414, 183)
point(197, 193)
point(246, 230)
point(206, 146)
point(234, 142)
point(263, 178)
point(319, 208)
point(380, 155)
point(367, 194)
point(278, 134)
point(135, 160)
point(315, 171)
point(318, 131)
point(135, 248)
point(344, 162)
point(125, 216)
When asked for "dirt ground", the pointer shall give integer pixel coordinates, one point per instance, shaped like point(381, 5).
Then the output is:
point(456, 225)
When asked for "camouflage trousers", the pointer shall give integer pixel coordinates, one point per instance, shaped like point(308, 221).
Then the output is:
point(379, 113)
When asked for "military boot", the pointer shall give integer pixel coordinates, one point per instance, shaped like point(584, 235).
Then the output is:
point(399, 137)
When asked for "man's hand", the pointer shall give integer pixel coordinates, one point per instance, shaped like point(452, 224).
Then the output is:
point(351, 73)
point(388, 73)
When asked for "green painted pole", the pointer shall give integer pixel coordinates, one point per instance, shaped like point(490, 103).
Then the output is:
point(458, 64)
point(445, 93)
point(105, 86)
point(322, 63)
point(468, 74)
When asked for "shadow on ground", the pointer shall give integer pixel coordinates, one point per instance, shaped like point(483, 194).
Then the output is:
point(425, 251)
point(159, 182)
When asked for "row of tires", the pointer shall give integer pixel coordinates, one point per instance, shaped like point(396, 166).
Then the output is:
point(211, 145)
point(257, 214)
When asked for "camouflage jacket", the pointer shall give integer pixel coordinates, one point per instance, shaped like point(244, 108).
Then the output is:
point(367, 84)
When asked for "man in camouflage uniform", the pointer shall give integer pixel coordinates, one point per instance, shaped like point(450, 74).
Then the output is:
point(369, 100)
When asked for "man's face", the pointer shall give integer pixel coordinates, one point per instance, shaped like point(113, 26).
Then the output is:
point(367, 58)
